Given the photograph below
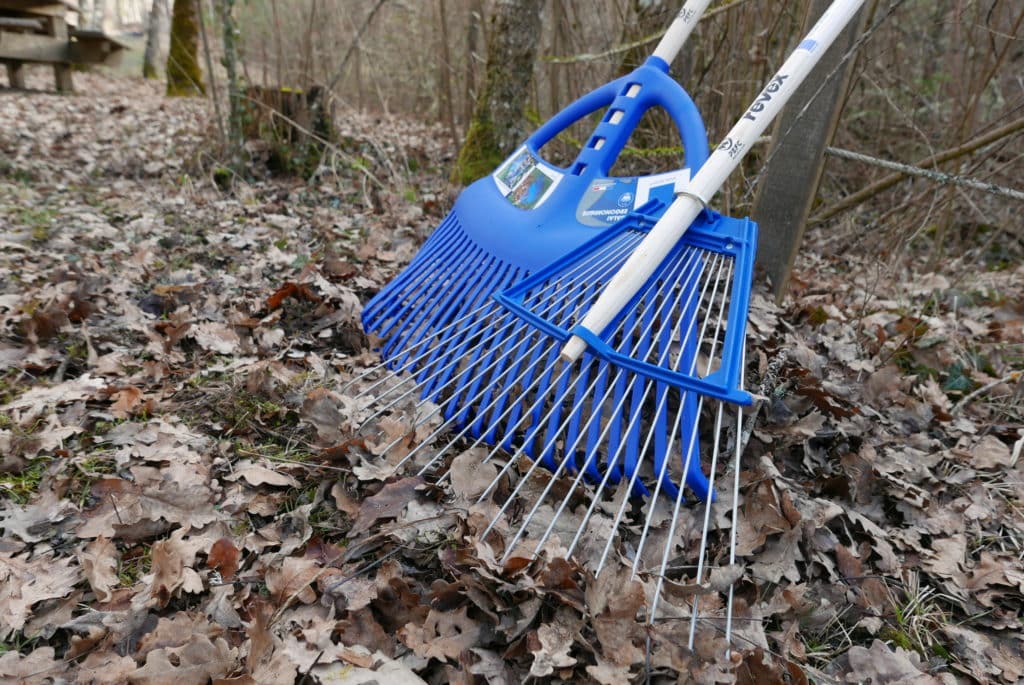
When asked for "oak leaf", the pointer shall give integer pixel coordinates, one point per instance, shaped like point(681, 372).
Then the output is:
point(99, 560)
point(194, 663)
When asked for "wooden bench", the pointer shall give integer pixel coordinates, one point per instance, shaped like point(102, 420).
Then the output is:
point(37, 31)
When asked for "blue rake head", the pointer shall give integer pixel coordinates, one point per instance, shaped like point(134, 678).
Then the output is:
point(521, 218)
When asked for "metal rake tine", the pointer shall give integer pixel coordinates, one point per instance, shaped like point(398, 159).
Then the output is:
point(384, 364)
point(519, 452)
point(506, 412)
point(682, 271)
point(469, 425)
point(454, 380)
point(633, 476)
point(411, 378)
point(620, 248)
point(647, 442)
point(569, 455)
point(735, 505)
point(439, 344)
point(526, 414)
point(579, 403)
point(667, 551)
point(579, 477)
point(419, 382)
point(529, 388)
point(694, 607)
point(693, 434)
point(629, 485)
point(707, 508)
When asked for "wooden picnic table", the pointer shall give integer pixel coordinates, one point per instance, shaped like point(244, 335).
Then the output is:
point(37, 31)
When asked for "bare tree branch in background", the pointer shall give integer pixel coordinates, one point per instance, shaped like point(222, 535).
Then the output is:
point(352, 47)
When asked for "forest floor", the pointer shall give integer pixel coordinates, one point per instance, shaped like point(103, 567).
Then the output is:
point(183, 498)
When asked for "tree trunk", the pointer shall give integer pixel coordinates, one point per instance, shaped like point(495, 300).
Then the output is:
point(498, 126)
point(99, 15)
point(476, 11)
point(155, 44)
point(183, 74)
point(235, 110)
point(447, 104)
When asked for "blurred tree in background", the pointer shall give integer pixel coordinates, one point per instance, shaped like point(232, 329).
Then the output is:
point(183, 74)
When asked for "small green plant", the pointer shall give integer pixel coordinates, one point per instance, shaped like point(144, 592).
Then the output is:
point(134, 565)
point(39, 221)
point(222, 177)
point(917, 618)
point(21, 486)
point(87, 471)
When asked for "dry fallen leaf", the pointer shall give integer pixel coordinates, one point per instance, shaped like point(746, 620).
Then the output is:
point(293, 577)
point(25, 582)
point(39, 667)
point(879, 664)
point(444, 635)
point(216, 337)
point(99, 560)
point(386, 504)
point(552, 642)
point(194, 663)
point(257, 474)
point(224, 557)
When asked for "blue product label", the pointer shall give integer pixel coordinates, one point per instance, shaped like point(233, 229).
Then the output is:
point(608, 200)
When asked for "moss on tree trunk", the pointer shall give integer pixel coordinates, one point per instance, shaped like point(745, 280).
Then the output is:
point(183, 74)
point(498, 125)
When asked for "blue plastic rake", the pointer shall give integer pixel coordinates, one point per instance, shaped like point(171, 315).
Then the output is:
point(530, 212)
point(454, 345)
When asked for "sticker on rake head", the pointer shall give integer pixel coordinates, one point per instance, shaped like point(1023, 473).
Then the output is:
point(608, 200)
point(524, 180)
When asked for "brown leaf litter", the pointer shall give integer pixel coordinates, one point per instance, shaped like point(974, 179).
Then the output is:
point(188, 492)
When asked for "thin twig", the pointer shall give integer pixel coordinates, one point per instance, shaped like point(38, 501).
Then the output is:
point(352, 47)
point(892, 179)
point(930, 174)
point(619, 49)
point(1008, 378)
point(209, 72)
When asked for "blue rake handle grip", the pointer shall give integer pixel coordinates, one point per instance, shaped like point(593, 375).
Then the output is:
point(627, 98)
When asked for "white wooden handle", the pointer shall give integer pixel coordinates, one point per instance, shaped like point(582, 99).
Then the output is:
point(680, 29)
point(726, 157)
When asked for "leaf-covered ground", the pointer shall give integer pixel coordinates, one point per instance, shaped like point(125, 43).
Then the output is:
point(185, 498)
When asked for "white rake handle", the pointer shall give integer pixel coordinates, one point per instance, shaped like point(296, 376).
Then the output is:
point(680, 29)
point(726, 157)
